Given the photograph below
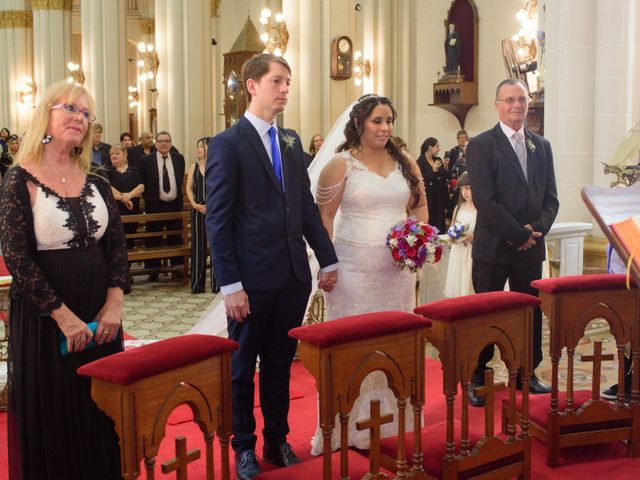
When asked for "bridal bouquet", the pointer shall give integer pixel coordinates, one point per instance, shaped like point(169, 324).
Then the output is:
point(456, 231)
point(413, 243)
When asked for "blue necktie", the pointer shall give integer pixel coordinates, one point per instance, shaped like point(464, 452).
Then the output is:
point(275, 154)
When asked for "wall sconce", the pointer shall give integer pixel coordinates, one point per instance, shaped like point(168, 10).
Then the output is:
point(76, 73)
point(361, 68)
point(276, 35)
point(26, 91)
point(148, 61)
point(134, 97)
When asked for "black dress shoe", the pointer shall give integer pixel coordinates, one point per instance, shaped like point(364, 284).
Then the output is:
point(474, 399)
point(247, 465)
point(536, 386)
point(281, 455)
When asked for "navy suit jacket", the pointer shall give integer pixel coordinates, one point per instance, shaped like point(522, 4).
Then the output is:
point(257, 229)
point(506, 202)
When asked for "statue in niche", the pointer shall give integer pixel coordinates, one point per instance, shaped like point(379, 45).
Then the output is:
point(452, 48)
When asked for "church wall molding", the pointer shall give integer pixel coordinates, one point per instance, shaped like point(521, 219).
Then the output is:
point(16, 19)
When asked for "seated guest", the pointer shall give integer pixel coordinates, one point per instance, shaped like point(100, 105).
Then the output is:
point(7, 158)
point(99, 149)
point(162, 174)
point(127, 187)
point(4, 139)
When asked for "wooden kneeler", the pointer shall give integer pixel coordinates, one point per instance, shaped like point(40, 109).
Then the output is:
point(340, 354)
point(461, 328)
point(139, 389)
point(570, 418)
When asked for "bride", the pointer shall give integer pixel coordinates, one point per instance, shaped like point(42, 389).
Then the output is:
point(362, 192)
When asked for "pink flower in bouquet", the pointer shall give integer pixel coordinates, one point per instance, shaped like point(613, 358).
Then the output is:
point(413, 243)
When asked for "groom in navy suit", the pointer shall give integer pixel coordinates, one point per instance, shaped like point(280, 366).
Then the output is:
point(259, 212)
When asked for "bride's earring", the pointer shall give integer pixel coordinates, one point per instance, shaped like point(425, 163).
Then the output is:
point(46, 139)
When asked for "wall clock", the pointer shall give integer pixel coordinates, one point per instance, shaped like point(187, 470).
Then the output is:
point(341, 58)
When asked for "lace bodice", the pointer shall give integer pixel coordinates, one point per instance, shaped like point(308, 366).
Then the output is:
point(56, 226)
point(371, 204)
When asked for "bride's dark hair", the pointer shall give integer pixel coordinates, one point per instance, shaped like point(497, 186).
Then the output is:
point(355, 127)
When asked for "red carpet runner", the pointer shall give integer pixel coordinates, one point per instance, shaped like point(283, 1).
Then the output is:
point(606, 461)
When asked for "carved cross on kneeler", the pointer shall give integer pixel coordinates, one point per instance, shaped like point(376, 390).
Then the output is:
point(181, 460)
point(373, 424)
point(488, 391)
point(597, 359)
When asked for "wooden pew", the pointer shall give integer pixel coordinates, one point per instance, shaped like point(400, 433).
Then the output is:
point(140, 252)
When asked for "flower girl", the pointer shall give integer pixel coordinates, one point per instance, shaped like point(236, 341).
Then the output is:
point(461, 234)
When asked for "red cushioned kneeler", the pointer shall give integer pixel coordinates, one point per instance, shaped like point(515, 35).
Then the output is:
point(340, 354)
point(461, 328)
point(139, 389)
point(569, 418)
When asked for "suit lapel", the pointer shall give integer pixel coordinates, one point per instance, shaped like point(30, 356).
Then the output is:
point(285, 153)
point(532, 157)
point(254, 139)
point(509, 152)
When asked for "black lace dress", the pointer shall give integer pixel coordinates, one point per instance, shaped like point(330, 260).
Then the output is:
point(67, 250)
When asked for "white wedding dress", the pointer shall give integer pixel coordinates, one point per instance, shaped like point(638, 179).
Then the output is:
point(368, 279)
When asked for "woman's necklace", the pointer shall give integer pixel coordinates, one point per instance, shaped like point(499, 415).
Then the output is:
point(63, 180)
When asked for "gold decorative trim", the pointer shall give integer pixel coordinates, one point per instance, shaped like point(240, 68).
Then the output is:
point(16, 19)
point(148, 26)
point(51, 4)
point(215, 8)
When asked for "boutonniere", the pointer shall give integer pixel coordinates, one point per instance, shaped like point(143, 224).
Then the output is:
point(288, 141)
point(531, 146)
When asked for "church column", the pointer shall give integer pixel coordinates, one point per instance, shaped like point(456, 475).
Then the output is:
point(51, 41)
point(16, 39)
point(569, 84)
point(617, 80)
point(104, 60)
point(184, 76)
point(147, 89)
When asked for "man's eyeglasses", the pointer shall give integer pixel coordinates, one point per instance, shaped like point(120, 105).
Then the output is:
point(73, 110)
point(163, 141)
point(514, 100)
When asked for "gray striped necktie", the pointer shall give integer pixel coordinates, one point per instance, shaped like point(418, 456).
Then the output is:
point(521, 152)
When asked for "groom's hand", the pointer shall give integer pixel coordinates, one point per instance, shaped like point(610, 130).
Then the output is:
point(237, 306)
point(327, 280)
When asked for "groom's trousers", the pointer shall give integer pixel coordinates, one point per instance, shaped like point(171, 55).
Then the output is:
point(264, 334)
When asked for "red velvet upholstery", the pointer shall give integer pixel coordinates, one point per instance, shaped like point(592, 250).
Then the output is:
point(358, 327)
point(312, 469)
point(582, 283)
point(452, 309)
point(3, 268)
point(128, 367)
point(433, 444)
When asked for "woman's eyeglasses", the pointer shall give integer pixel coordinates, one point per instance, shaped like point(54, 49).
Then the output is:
point(73, 110)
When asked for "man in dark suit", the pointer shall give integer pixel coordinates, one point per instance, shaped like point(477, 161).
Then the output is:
point(259, 213)
point(100, 151)
point(514, 189)
point(145, 147)
point(162, 172)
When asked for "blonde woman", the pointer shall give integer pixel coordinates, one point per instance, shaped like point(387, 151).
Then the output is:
point(63, 243)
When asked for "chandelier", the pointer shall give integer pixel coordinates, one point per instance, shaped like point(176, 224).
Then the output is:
point(76, 75)
point(361, 68)
point(148, 61)
point(276, 35)
point(26, 91)
point(134, 97)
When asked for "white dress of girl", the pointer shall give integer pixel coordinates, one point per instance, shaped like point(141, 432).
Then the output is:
point(459, 281)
